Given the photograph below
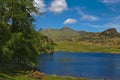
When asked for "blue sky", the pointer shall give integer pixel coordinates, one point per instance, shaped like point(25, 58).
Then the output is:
point(88, 15)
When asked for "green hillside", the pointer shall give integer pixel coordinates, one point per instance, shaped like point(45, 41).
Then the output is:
point(68, 39)
point(65, 33)
point(68, 34)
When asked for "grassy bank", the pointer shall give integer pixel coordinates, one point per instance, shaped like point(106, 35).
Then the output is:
point(7, 76)
point(64, 78)
point(85, 47)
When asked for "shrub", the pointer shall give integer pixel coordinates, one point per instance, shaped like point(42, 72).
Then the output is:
point(37, 75)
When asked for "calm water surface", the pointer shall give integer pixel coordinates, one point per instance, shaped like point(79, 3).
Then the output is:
point(90, 65)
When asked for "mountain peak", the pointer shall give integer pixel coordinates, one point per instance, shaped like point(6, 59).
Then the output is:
point(112, 32)
point(66, 28)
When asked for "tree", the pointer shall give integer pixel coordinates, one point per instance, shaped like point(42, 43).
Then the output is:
point(47, 45)
point(5, 52)
point(19, 41)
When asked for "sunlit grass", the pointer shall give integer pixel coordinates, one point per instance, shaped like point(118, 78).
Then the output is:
point(64, 78)
point(84, 47)
point(24, 77)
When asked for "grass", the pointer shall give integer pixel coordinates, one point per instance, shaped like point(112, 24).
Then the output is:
point(14, 76)
point(84, 47)
point(6, 76)
point(63, 78)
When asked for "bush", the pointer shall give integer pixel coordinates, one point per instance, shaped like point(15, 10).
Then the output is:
point(37, 75)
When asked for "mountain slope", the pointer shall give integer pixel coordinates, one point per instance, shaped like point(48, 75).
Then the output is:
point(112, 32)
point(68, 34)
point(65, 33)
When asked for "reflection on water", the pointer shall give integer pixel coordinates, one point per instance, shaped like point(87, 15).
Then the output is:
point(90, 65)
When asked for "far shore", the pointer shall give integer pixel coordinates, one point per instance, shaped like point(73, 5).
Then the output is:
point(87, 52)
point(83, 48)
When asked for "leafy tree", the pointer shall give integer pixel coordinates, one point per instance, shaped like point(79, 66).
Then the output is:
point(5, 52)
point(47, 45)
point(20, 43)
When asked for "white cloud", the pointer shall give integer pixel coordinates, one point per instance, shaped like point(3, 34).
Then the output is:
point(92, 25)
point(58, 6)
point(117, 18)
point(70, 21)
point(110, 1)
point(87, 17)
point(112, 25)
point(106, 25)
point(39, 4)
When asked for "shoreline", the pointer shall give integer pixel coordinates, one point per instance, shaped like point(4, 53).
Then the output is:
point(82, 47)
point(24, 76)
point(86, 52)
point(47, 77)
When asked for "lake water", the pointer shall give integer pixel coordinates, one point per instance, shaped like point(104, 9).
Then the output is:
point(90, 65)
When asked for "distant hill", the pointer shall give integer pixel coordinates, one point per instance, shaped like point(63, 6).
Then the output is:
point(65, 33)
point(68, 34)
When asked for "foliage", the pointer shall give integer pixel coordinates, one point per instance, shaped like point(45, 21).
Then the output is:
point(5, 52)
point(20, 43)
point(47, 44)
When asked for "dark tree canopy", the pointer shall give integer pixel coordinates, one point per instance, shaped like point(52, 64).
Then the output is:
point(20, 43)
